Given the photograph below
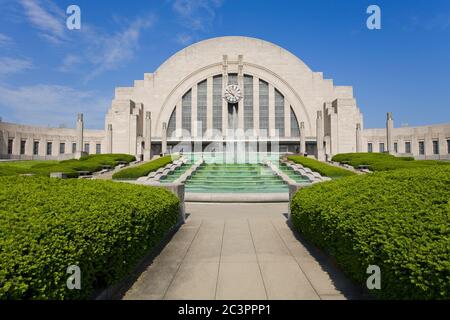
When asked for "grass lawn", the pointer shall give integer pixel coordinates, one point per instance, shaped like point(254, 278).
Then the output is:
point(144, 169)
point(321, 167)
point(385, 162)
point(71, 167)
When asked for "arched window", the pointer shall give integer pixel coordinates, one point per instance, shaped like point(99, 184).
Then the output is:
point(248, 102)
point(295, 130)
point(264, 106)
point(201, 107)
point(172, 126)
point(279, 113)
point(186, 112)
point(217, 103)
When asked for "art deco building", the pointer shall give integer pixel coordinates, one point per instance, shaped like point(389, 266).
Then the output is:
point(224, 92)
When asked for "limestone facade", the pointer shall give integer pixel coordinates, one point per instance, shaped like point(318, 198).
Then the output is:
point(182, 104)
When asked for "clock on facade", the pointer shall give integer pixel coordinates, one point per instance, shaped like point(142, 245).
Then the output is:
point(232, 93)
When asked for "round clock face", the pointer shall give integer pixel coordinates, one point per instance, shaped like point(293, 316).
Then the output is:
point(233, 93)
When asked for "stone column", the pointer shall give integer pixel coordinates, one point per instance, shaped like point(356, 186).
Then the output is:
point(358, 137)
point(80, 140)
point(148, 136)
point(302, 138)
point(109, 138)
point(319, 137)
point(389, 133)
point(164, 138)
point(133, 135)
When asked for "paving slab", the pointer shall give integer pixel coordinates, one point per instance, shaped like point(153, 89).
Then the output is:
point(239, 251)
point(240, 281)
point(194, 281)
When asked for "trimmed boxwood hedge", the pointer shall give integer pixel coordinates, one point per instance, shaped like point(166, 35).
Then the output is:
point(143, 169)
point(397, 220)
point(385, 162)
point(321, 167)
point(104, 227)
point(90, 163)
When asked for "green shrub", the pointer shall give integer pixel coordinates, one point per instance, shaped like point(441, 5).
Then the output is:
point(384, 161)
point(104, 227)
point(143, 169)
point(398, 220)
point(90, 163)
point(321, 167)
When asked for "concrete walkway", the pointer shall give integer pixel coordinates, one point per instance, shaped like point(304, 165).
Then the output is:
point(239, 251)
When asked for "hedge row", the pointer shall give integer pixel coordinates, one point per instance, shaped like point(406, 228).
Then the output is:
point(103, 227)
point(384, 161)
point(398, 220)
point(321, 167)
point(90, 163)
point(143, 169)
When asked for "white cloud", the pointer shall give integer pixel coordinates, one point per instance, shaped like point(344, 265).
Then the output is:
point(5, 41)
point(13, 65)
point(47, 18)
point(52, 105)
point(69, 62)
point(183, 39)
point(103, 52)
point(109, 52)
point(196, 16)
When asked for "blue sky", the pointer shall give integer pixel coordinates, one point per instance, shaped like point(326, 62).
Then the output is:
point(49, 73)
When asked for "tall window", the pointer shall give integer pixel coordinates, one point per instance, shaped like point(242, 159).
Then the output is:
point(35, 148)
point(295, 129)
point(408, 147)
point(10, 146)
point(264, 106)
point(279, 113)
point(202, 106)
point(74, 147)
point(395, 147)
point(435, 146)
point(448, 146)
point(248, 102)
point(22, 146)
point(86, 148)
point(98, 148)
point(186, 112)
point(232, 78)
point(381, 147)
point(369, 147)
point(62, 148)
point(217, 103)
point(421, 147)
point(172, 126)
point(49, 148)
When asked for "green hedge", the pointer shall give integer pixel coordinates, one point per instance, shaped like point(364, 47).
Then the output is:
point(104, 227)
point(384, 161)
point(321, 167)
point(143, 169)
point(398, 220)
point(90, 163)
